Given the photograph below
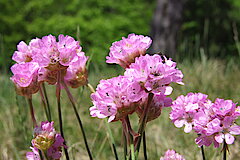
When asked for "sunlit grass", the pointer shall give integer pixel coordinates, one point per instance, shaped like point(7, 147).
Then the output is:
point(213, 77)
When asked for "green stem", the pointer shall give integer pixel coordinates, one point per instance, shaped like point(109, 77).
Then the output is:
point(203, 154)
point(58, 93)
point(124, 143)
point(78, 118)
point(143, 122)
point(44, 103)
point(47, 101)
point(225, 150)
point(144, 145)
point(112, 139)
point(32, 111)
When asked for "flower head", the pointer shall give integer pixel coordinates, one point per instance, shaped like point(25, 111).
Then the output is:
point(154, 73)
point(125, 51)
point(115, 98)
point(76, 74)
point(186, 109)
point(25, 78)
point(48, 141)
point(172, 155)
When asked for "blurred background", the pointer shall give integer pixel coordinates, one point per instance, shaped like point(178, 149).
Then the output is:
point(201, 35)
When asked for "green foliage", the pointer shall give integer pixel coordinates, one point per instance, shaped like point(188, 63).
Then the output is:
point(101, 22)
point(209, 25)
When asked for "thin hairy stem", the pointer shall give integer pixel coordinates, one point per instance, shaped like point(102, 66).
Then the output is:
point(32, 111)
point(144, 145)
point(47, 101)
point(58, 93)
point(44, 103)
point(78, 118)
point(225, 147)
point(203, 154)
point(143, 121)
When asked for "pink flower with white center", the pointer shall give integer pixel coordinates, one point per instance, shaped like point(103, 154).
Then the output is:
point(115, 98)
point(159, 101)
point(125, 51)
point(25, 78)
point(186, 109)
point(172, 155)
point(154, 73)
point(76, 72)
point(34, 155)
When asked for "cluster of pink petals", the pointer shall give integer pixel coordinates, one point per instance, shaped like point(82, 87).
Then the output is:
point(125, 51)
point(48, 141)
point(155, 73)
point(43, 58)
point(213, 122)
point(172, 155)
point(115, 98)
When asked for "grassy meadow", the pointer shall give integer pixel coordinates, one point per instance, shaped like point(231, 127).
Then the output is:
point(217, 78)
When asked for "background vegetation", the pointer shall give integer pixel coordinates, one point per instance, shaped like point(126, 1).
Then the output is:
point(208, 54)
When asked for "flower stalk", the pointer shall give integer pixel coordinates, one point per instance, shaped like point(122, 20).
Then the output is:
point(78, 118)
point(143, 122)
point(58, 93)
point(29, 99)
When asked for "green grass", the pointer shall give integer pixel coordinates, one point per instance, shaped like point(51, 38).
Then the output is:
point(214, 77)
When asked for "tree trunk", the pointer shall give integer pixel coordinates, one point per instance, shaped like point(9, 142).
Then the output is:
point(165, 25)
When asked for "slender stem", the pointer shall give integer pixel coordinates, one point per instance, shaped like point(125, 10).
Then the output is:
point(203, 154)
point(124, 144)
point(44, 103)
point(224, 150)
point(144, 145)
point(129, 132)
point(47, 101)
point(112, 139)
point(32, 111)
point(58, 93)
point(40, 153)
point(90, 87)
point(78, 118)
point(143, 122)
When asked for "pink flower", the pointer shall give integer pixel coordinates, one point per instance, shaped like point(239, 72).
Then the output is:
point(188, 110)
point(25, 78)
point(223, 107)
point(34, 155)
point(159, 101)
point(24, 53)
point(76, 72)
point(172, 155)
point(154, 73)
point(115, 98)
point(125, 51)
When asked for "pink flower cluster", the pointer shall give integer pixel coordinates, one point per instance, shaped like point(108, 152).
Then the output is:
point(155, 73)
point(119, 96)
point(125, 51)
point(172, 155)
point(46, 140)
point(42, 59)
point(213, 122)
